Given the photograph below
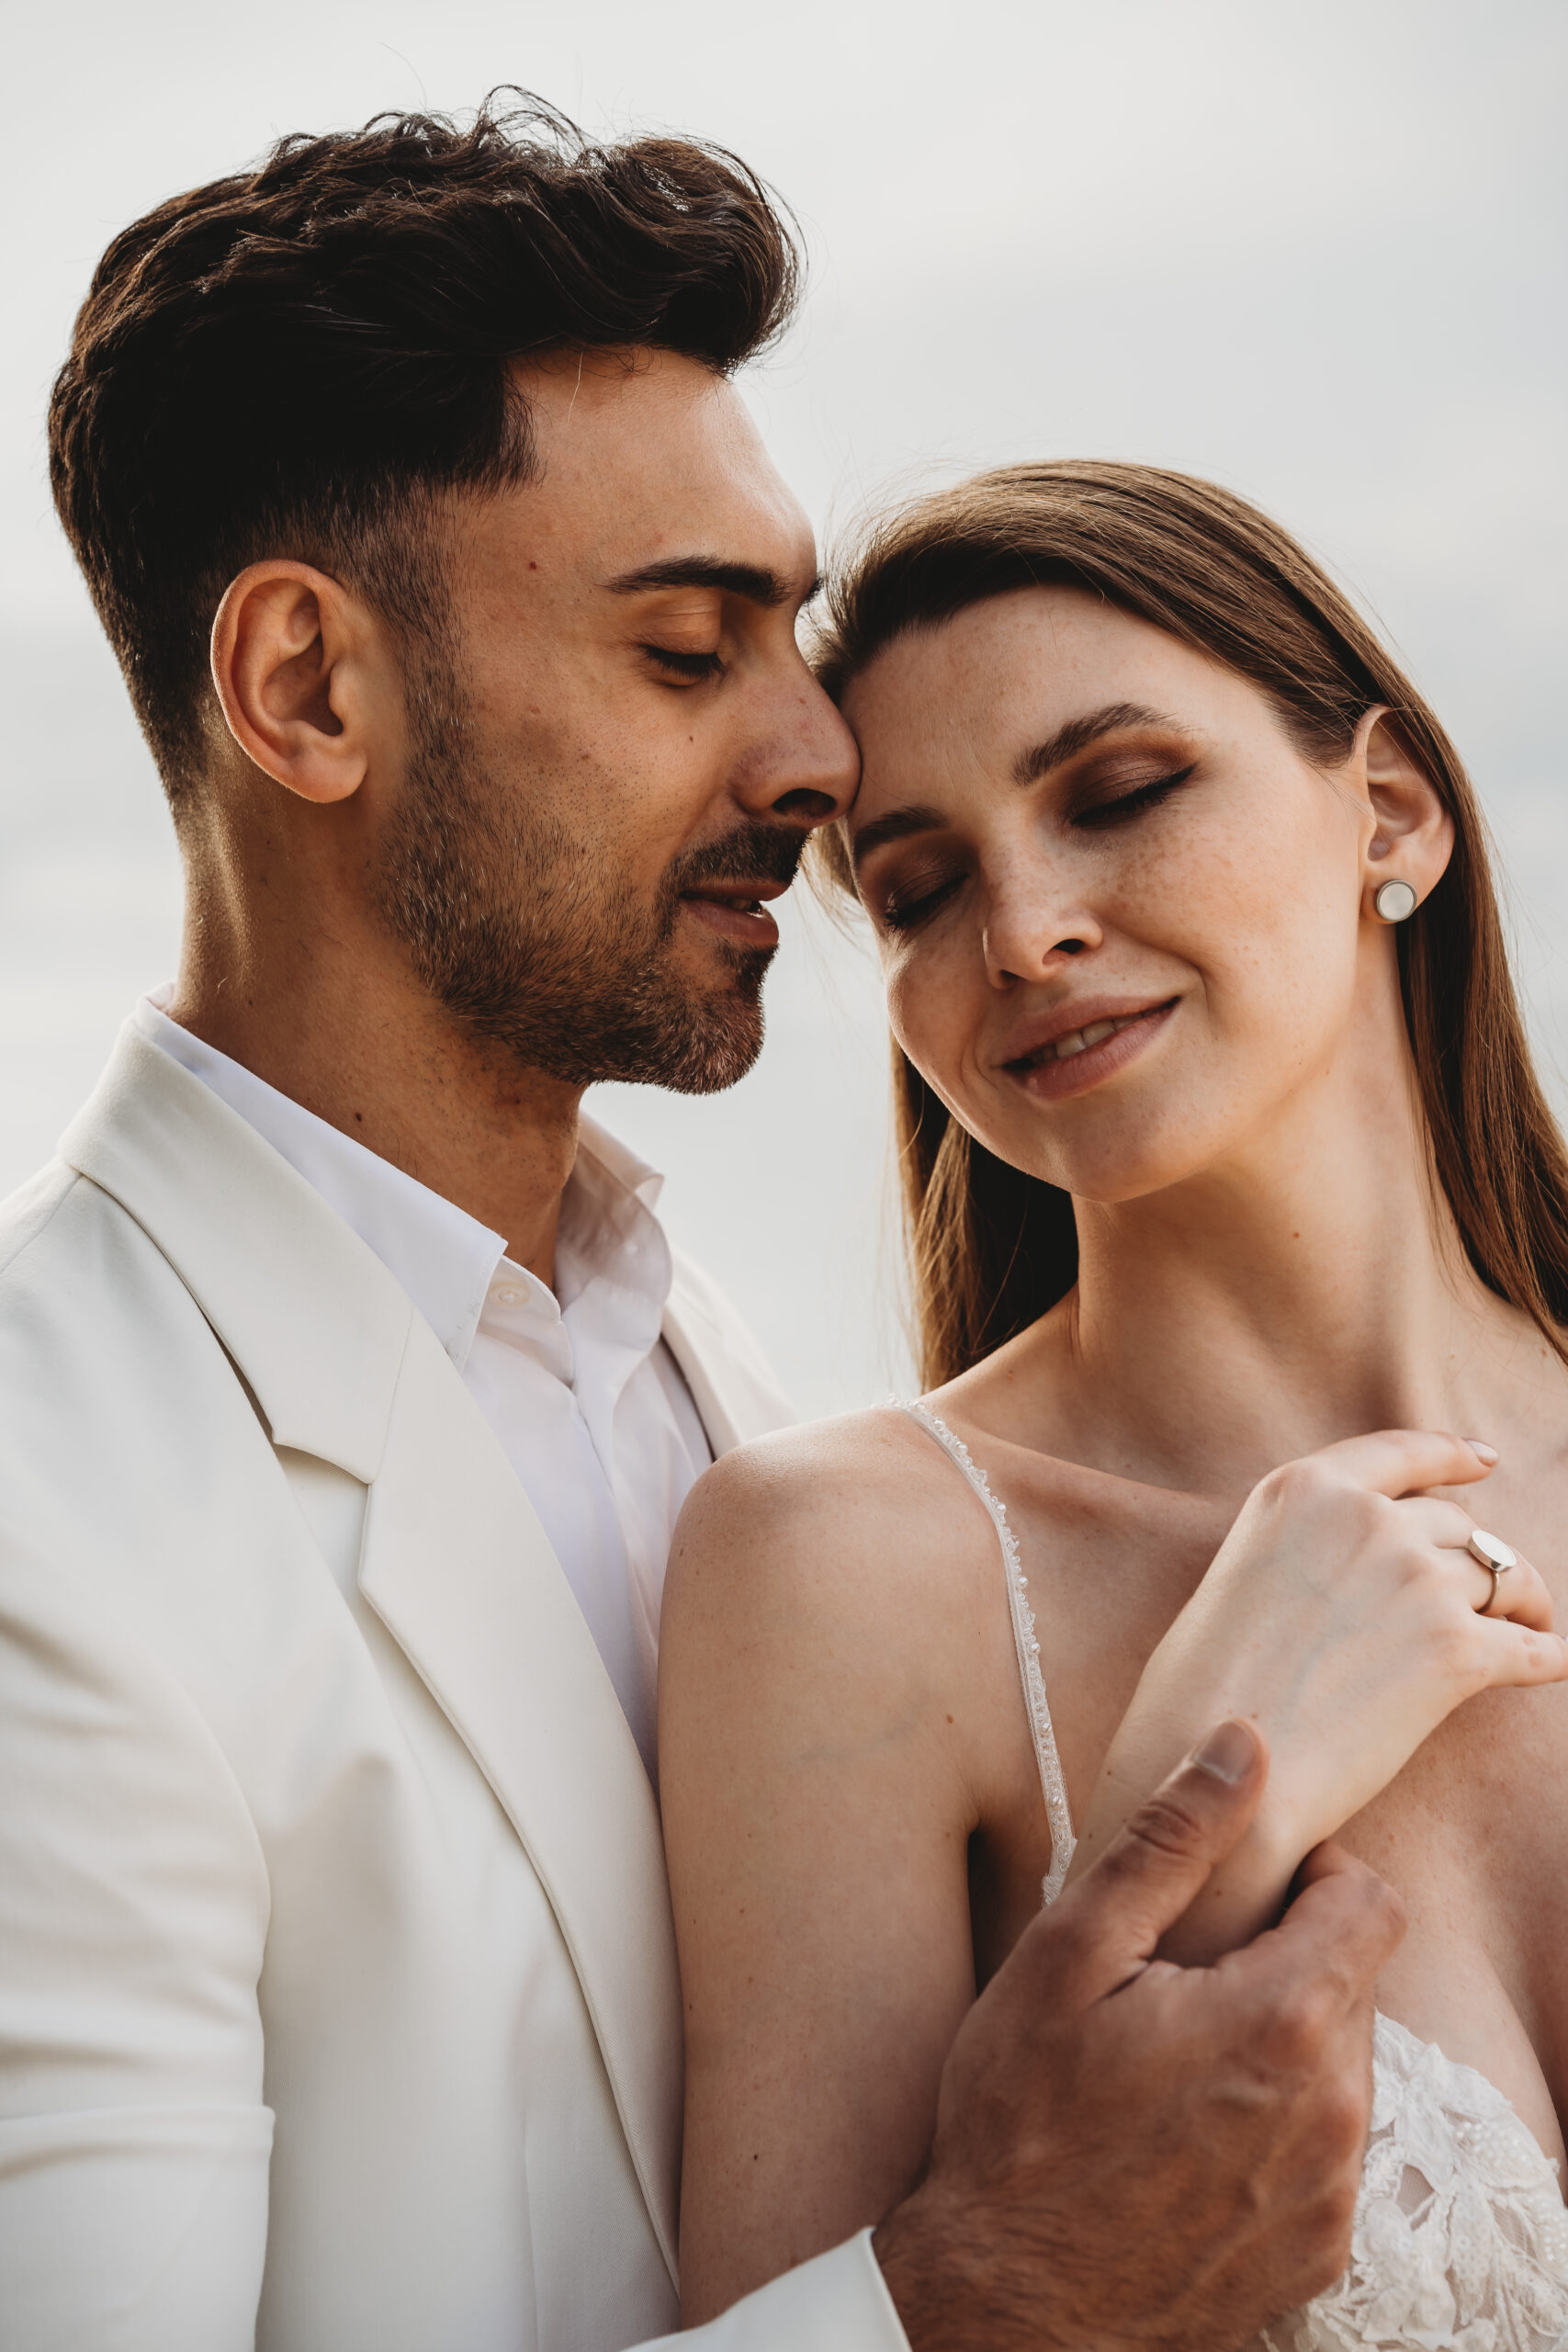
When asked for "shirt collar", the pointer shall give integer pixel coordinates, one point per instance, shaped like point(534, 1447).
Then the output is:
point(445, 1260)
point(443, 1257)
point(619, 1161)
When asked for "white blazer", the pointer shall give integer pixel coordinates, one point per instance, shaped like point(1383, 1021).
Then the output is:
point(338, 1996)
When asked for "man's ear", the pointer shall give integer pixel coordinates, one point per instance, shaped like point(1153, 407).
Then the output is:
point(288, 662)
point(1412, 833)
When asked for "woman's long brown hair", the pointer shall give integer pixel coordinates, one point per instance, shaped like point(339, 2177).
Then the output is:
point(991, 1249)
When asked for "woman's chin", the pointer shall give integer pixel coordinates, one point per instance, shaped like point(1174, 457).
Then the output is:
point(1128, 1154)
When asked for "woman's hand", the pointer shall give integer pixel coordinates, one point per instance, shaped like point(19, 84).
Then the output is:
point(1343, 1614)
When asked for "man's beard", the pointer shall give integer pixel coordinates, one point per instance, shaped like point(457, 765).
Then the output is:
point(532, 936)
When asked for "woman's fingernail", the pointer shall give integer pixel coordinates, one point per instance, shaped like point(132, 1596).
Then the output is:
point(1228, 1753)
point(1478, 1445)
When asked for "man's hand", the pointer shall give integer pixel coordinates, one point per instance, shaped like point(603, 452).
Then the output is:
point(1130, 2153)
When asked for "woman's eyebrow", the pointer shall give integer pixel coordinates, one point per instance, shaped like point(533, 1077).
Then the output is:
point(894, 827)
point(1075, 735)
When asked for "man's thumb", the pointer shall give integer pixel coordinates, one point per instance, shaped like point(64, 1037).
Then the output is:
point(1159, 1860)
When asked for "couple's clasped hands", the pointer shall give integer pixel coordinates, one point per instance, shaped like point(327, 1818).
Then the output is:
point(1341, 1622)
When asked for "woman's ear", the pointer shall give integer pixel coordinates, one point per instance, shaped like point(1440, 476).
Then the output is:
point(287, 662)
point(1412, 833)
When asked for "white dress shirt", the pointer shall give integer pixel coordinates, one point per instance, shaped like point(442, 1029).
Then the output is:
point(586, 1400)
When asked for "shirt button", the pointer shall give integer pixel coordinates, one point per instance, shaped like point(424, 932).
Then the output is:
point(509, 1296)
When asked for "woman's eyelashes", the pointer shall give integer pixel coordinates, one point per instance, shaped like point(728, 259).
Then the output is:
point(684, 669)
point(909, 902)
point(912, 898)
point(1123, 807)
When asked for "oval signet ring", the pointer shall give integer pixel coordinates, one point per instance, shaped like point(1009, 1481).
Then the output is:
point(1493, 1553)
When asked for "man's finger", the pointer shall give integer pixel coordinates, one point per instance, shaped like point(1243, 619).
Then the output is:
point(1108, 1924)
point(1338, 1934)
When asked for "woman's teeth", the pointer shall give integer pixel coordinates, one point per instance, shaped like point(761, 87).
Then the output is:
point(1079, 1041)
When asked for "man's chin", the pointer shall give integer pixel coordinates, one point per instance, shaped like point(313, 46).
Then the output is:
point(690, 1032)
point(716, 1044)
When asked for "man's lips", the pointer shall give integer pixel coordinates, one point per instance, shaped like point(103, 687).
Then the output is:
point(1072, 1049)
point(737, 909)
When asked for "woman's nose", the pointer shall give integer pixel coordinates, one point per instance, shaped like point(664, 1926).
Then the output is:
point(1031, 930)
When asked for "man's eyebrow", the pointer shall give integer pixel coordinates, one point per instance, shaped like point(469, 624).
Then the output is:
point(755, 581)
point(1076, 734)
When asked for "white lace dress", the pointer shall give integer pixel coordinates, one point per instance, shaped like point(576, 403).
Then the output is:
point(1460, 2235)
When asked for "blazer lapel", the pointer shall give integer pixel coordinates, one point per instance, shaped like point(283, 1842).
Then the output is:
point(457, 1565)
point(733, 1387)
point(713, 1408)
point(453, 1560)
point(310, 1316)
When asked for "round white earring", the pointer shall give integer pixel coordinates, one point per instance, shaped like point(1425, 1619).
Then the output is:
point(1396, 902)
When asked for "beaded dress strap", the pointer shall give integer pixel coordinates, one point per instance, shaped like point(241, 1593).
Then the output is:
point(1053, 1787)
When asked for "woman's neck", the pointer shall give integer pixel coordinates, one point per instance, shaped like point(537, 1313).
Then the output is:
point(1312, 1287)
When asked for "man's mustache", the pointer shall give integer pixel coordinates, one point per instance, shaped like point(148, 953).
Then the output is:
point(753, 852)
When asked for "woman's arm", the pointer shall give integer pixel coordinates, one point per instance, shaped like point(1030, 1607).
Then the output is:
point(839, 1713)
point(823, 1725)
point(1341, 1615)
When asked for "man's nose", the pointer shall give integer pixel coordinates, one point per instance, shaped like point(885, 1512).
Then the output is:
point(806, 766)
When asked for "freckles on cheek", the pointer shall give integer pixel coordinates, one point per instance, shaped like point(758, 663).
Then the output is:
point(909, 1014)
point(927, 1019)
point(898, 993)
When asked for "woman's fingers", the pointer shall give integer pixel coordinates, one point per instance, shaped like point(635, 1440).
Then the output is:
point(1511, 1613)
point(1510, 1656)
point(1404, 1464)
point(1405, 1461)
point(1519, 1595)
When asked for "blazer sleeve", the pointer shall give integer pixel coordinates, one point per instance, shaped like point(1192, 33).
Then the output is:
point(838, 2302)
point(134, 2140)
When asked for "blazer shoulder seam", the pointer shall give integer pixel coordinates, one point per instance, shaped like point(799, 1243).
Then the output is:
point(41, 1214)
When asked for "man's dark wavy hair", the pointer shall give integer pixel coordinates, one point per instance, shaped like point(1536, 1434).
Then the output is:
point(302, 359)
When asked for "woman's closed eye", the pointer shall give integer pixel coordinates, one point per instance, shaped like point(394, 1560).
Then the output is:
point(916, 893)
point(1100, 815)
point(913, 898)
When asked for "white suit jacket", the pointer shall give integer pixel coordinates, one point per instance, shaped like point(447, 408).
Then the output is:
point(304, 1741)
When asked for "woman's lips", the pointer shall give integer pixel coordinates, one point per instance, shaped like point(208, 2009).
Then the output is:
point(1073, 1063)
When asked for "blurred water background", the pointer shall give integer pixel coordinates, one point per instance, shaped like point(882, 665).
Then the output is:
point(1314, 251)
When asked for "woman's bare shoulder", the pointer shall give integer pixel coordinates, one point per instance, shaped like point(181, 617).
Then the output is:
point(833, 1520)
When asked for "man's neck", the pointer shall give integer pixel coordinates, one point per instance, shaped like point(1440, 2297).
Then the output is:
point(345, 1030)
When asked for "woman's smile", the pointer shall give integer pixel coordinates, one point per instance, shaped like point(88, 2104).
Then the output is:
point(1079, 1047)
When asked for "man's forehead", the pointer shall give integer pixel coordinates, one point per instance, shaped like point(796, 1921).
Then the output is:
point(648, 460)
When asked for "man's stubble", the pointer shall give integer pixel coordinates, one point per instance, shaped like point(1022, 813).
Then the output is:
point(535, 938)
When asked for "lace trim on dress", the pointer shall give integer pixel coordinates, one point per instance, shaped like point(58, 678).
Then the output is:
point(1052, 1786)
point(1461, 2238)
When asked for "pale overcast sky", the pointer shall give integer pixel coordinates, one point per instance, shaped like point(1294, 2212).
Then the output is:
point(1315, 251)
